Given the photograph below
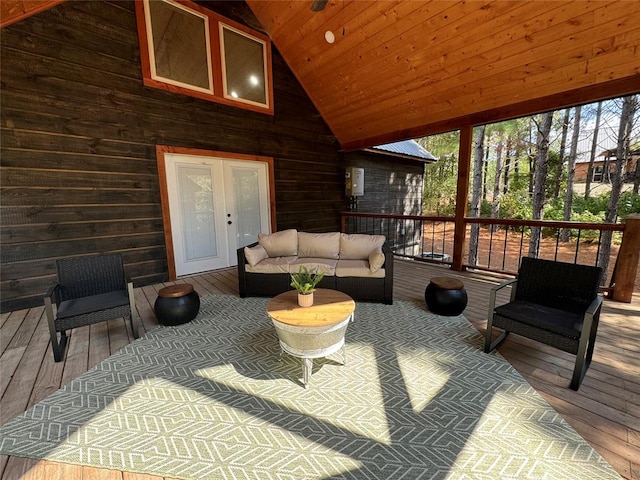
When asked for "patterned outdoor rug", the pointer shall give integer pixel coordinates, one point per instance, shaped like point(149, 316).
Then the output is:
point(211, 400)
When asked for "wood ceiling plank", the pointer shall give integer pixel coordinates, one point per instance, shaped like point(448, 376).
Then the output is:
point(12, 11)
point(498, 73)
point(502, 95)
point(370, 34)
point(588, 94)
point(468, 64)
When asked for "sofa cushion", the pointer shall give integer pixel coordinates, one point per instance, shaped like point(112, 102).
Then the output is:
point(271, 265)
point(319, 245)
point(359, 246)
point(357, 268)
point(280, 244)
point(321, 265)
point(376, 260)
point(255, 254)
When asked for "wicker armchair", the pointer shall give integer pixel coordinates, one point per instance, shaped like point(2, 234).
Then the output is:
point(553, 303)
point(88, 290)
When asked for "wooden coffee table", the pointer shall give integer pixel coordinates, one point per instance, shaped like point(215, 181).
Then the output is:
point(311, 332)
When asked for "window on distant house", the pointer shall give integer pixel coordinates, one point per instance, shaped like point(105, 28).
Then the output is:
point(597, 173)
point(190, 50)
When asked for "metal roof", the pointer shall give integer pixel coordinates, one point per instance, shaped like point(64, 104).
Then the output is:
point(409, 148)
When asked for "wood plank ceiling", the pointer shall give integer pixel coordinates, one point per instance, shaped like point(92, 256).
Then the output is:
point(403, 69)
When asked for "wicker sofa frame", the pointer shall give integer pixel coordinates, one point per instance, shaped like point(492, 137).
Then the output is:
point(554, 303)
point(359, 288)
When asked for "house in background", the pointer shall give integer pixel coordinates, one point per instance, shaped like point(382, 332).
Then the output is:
point(605, 164)
point(97, 153)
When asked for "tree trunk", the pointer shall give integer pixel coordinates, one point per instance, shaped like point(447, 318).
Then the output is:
point(485, 173)
point(495, 207)
point(592, 157)
point(542, 157)
point(629, 107)
point(478, 159)
point(563, 145)
point(571, 171)
point(507, 167)
point(530, 156)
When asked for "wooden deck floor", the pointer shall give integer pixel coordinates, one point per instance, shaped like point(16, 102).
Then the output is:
point(606, 410)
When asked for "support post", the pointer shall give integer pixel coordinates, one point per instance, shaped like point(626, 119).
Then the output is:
point(624, 274)
point(462, 193)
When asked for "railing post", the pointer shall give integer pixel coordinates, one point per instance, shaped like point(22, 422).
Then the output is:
point(462, 193)
point(627, 261)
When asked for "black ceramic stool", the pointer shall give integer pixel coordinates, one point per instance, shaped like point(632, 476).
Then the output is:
point(446, 296)
point(177, 304)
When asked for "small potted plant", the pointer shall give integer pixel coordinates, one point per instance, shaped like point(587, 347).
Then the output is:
point(305, 281)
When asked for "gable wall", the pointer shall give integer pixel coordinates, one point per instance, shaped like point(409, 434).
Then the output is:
point(79, 132)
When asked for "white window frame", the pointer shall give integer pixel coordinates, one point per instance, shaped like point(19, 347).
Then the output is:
point(223, 63)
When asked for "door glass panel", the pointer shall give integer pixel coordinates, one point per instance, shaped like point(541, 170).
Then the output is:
point(247, 199)
point(180, 40)
point(195, 187)
point(244, 67)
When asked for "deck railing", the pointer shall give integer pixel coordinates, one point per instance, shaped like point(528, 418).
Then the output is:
point(502, 242)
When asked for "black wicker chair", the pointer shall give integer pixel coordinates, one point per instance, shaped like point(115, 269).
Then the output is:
point(554, 303)
point(88, 290)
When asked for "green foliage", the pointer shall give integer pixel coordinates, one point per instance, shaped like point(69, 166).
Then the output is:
point(629, 203)
point(440, 181)
point(305, 280)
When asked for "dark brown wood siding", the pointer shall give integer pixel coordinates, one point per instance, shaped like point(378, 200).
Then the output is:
point(79, 131)
point(392, 185)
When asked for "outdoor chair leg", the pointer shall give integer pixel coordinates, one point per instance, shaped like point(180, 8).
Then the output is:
point(58, 347)
point(488, 344)
point(132, 306)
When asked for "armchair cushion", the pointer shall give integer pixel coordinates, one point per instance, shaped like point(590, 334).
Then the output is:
point(551, 319)
point(81, 306)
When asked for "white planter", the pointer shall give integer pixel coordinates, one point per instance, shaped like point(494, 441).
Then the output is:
point(305, 300)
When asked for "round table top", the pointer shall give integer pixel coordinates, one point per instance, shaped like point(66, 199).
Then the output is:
point(447, 283)
point(175, 291)
point(329, 307)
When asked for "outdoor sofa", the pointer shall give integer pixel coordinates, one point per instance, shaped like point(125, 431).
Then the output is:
point(359, 265)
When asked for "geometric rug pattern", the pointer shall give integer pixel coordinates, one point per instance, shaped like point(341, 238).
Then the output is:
point(211, 399)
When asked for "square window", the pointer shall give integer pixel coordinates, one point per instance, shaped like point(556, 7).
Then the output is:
point(180, 41)
point(243, 63)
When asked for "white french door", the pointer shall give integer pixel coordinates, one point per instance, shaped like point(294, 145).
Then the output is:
point(216, 206)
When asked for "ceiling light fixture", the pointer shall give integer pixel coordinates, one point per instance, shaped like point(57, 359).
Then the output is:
point(328, 35)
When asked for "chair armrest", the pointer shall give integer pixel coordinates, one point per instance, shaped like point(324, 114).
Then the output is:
point(52, 289)
point(595, 306)
point(53, 293)
point(494, 291)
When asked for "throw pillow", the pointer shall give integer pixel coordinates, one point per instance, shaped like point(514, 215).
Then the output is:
point(376, 260)
point(255, 255)
point(280, 244)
